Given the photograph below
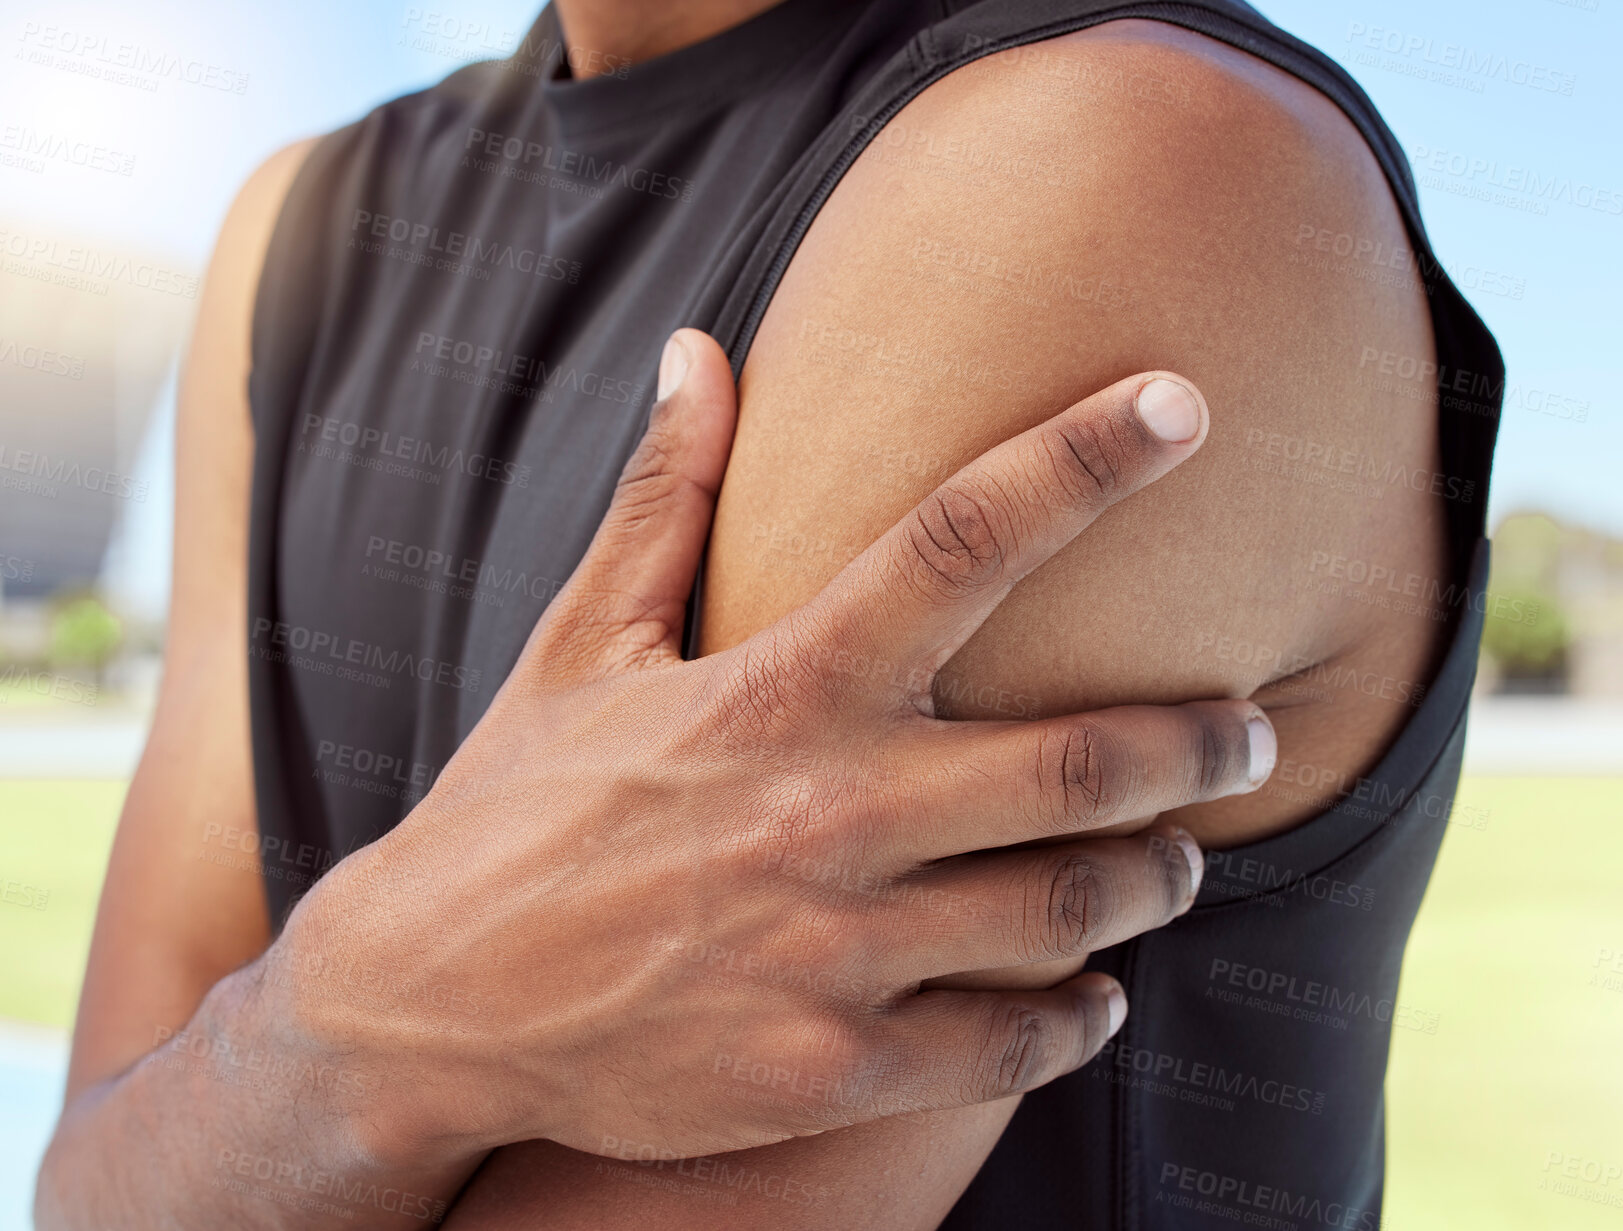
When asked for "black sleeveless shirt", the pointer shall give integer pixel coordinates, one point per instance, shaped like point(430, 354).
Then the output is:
point(454, 351)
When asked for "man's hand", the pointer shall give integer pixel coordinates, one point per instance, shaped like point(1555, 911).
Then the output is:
point(690, 905)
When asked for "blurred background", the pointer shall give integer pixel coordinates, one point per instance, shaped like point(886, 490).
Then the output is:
point(126, 130)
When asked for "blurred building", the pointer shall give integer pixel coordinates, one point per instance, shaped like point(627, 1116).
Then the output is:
point(88, 331)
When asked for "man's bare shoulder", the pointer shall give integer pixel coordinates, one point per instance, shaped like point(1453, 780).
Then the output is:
point(1197, 96)
point(1133, 148)
point(1043, 222)
point(246, 231)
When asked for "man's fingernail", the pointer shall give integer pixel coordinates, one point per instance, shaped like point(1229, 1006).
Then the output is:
point(673, 367)
point(1117, 1000)
point(1196, 859)
point(1264, 750)
point(1169, 410)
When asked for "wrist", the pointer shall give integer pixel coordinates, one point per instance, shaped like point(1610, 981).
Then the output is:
point(325, 1097)
point(330, 1053)
point(250, 1032)
point(331, 992)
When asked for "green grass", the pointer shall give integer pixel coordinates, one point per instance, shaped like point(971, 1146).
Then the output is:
point(1526, 1061)
point(54, 836)
point(43, 691)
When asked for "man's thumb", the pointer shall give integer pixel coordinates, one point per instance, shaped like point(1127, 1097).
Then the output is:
point(623, 607)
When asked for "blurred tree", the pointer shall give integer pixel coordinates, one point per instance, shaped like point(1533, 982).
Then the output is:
point(1527, 635)
point(84, 633)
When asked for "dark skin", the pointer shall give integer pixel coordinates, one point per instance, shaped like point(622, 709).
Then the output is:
point(1200, 218)
point(630, 31)
point(1196, 210)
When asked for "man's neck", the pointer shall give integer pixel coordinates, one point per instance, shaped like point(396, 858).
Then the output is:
point(622, 31)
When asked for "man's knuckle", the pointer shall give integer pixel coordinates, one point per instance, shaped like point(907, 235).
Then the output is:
point(861, 1061)
point(1090, 459)
point(1075, 906)
point(1077, 777)
point(1020, 1042)
point(651, 462)
point(956, 537)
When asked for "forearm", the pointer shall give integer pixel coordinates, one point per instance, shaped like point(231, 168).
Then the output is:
point(234, 1121)
point(904, 1173)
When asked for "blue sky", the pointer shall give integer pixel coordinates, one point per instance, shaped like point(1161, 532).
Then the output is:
point(1565, 334)
point(1548, 267)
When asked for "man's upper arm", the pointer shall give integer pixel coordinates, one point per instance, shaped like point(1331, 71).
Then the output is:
point(1011, 243)
point(182, 904)
point(1020, 237)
